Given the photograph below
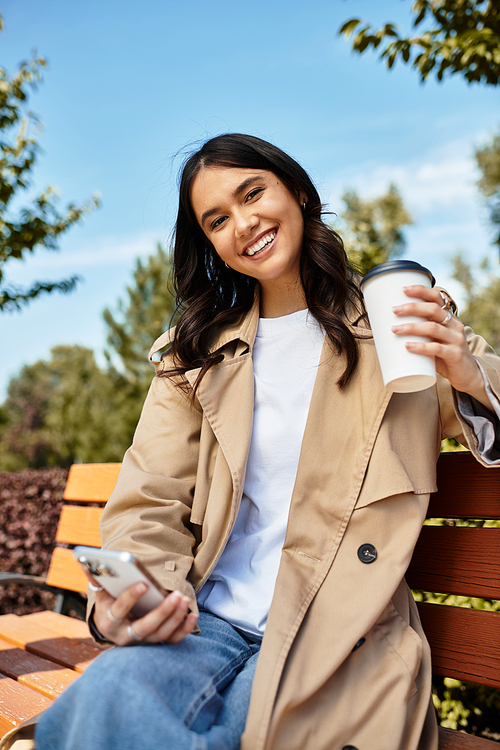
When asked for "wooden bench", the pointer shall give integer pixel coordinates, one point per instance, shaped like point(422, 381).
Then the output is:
point(42, 653)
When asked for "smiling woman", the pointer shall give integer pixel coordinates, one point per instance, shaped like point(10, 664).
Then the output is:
point(236, 192)
point(256, 228)
point(276, 489)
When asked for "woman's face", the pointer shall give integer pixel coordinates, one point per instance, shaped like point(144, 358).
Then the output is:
point(253, 221)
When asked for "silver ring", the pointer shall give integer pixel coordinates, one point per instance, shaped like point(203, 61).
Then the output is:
point(447, 319)
point(132, 634)
point(111, 616)
point(93, 587)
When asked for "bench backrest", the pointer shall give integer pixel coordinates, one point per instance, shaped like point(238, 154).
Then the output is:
point(88, 489)
point(448, 559)
point(461, 560)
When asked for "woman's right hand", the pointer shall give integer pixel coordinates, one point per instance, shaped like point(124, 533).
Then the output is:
point(169, 622)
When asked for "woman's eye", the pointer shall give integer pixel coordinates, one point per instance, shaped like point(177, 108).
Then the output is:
point(254, 193)
point(217, 222)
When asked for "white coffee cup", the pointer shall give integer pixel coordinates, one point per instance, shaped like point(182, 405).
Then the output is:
point(403, 371)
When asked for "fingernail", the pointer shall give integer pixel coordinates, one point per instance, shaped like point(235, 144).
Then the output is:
point(411, 345)
point(397, 308)
point(141, 588)
point(408, 288)
point(178, 593)
point(395, 329)
point(186, 599)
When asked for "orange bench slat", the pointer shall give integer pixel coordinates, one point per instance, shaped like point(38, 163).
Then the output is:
point(79, 525)
point(65, 572)
point(18, 703)
point(41, 675)
point(59, 624)
point(90, 483)
point(75, 653)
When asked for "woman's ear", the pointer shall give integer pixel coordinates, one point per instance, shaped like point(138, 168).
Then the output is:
point(303, 199)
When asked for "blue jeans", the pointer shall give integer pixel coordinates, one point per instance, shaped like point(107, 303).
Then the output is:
point(193, 695)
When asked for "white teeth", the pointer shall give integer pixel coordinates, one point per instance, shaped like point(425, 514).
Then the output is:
point(261, 244)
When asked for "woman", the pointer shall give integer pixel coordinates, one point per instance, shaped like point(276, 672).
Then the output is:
point(276, 486)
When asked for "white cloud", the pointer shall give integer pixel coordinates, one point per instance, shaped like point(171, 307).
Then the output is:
point(440, 192)
point(440, 179)
point(105, 252)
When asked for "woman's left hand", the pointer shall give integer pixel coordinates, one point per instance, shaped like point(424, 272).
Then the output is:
point(447, 342)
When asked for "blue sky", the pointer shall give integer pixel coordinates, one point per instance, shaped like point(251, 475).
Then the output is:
point(130, 85)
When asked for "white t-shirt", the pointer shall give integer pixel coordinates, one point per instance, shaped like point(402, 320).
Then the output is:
point(286, 356)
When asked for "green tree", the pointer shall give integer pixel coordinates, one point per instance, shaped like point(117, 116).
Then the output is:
point(146, 313)
point(374, 228)
point(39, 223)
point(68, 409)
point(24, 439)
point(81, 417)
point(482, 301)
point(488, 161)
point(59, 412)
point(459, 36)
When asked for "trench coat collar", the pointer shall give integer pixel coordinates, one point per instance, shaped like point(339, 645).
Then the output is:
point(244, 329)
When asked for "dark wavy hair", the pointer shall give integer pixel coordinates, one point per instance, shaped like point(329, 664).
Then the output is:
point(209, 294)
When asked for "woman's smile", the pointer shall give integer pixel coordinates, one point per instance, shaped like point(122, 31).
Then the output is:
point(261, 244)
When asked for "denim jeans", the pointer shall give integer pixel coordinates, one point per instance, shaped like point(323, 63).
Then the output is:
point(193, 695)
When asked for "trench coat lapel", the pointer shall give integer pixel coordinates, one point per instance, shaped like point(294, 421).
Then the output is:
point(226, 395)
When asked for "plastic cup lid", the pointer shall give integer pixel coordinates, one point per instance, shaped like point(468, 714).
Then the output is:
point(397, 265)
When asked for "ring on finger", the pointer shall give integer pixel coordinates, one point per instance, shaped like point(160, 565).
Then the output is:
point(133, 635)
point(93, 587)
point(447, 319)
point(112, 617)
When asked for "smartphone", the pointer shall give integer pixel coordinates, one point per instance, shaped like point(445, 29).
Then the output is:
point(116, 571)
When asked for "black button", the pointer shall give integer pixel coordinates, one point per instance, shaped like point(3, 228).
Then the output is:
point(367, 553)
point(359, 643)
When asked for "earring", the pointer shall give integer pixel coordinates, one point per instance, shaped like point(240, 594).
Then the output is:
point(226, 264)
point(304, 204)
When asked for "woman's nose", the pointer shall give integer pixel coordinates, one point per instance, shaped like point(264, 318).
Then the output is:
point(245, 222)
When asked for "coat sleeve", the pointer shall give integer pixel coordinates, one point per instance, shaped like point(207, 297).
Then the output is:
point(148, 513)
point(463, 418)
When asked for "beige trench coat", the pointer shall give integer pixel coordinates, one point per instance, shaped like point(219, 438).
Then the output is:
point(366, 469)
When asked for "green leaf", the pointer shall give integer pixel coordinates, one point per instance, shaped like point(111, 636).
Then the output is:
point(347, 28)
point(391, 59)
point(359, 39)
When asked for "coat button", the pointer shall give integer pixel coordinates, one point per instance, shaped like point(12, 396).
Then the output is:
point(359, 643)
point(367, 553)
